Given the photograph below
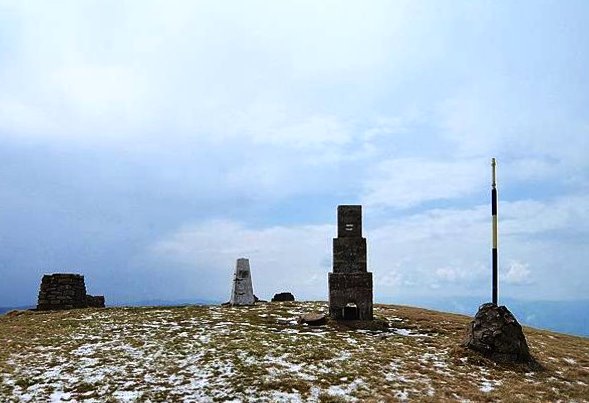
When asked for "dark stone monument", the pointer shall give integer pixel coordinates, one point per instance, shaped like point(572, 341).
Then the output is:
point(65, 291)
point(496, 334)
point(283, 296)
point(350, 284)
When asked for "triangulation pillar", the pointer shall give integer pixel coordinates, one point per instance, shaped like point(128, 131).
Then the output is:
point(242, 292)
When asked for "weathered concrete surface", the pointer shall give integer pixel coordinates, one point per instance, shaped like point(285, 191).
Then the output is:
point(350, 284)
point(242, 292)
point(496, 334)
point(348, 289)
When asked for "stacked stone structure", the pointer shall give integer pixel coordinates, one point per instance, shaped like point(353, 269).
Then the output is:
point(242, 291)
point(95, 301)
point(66, 291)
point(350, 284)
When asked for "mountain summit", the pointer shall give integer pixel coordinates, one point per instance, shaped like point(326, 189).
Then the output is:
point(215, 353)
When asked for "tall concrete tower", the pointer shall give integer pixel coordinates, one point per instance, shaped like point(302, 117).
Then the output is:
point(350, 284)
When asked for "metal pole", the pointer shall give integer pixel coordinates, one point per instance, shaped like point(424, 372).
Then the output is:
point(494, 218)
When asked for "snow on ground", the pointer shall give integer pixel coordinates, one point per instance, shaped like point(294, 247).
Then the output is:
point(487, 385)
point(408, 332)
point(218, 353)
point(131, 354)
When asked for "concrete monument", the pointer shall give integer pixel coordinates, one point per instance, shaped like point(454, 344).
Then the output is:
point(242, 292)
point(350, 284)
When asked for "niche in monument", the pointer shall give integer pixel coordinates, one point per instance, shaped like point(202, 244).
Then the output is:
point(351, 312)
point(350, 284)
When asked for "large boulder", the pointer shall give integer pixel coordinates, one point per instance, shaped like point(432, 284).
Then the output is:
point(496, 334)
point(283, 296)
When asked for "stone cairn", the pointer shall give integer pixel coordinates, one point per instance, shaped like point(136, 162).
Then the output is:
point(66, 291)
point(242, 292)
point(496, 334)
point(283, 296)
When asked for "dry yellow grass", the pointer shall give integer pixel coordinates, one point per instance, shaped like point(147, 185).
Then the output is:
point(260, 354)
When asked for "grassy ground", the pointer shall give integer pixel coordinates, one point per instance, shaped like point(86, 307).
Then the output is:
point(259, 353)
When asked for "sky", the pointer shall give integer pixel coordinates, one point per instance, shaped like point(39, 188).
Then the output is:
point(149, 144)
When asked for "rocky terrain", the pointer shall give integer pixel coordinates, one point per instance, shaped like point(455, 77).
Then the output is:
point(260, 353)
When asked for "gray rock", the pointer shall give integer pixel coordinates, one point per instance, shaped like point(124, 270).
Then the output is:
point(313, 319)
point(496, 334)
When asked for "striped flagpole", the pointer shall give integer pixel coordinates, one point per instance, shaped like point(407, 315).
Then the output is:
point(494, 218)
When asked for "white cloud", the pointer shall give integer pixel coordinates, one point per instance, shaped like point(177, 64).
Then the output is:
point(384, 126)
point(314, 102)
point(446, 250)
point(103, 90)
point(451, 274)
point(529, 217)
point(190, 67)
point(451, 249)
point(312, 132)
point(517, 273)
point(408, 182)
point(281, 258)
point(505, 118)
point(24, 118)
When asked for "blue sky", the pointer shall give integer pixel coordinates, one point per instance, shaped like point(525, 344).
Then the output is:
point(149, 144)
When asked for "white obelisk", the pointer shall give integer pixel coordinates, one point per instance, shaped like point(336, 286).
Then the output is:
point(242, 292)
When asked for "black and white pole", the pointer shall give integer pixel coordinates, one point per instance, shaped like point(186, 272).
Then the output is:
point(494, 218)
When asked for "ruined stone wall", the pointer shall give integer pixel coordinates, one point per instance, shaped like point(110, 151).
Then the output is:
point(65, 291)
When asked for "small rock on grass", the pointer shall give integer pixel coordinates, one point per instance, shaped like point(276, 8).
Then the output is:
point(313, 319)
point(283, 296)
